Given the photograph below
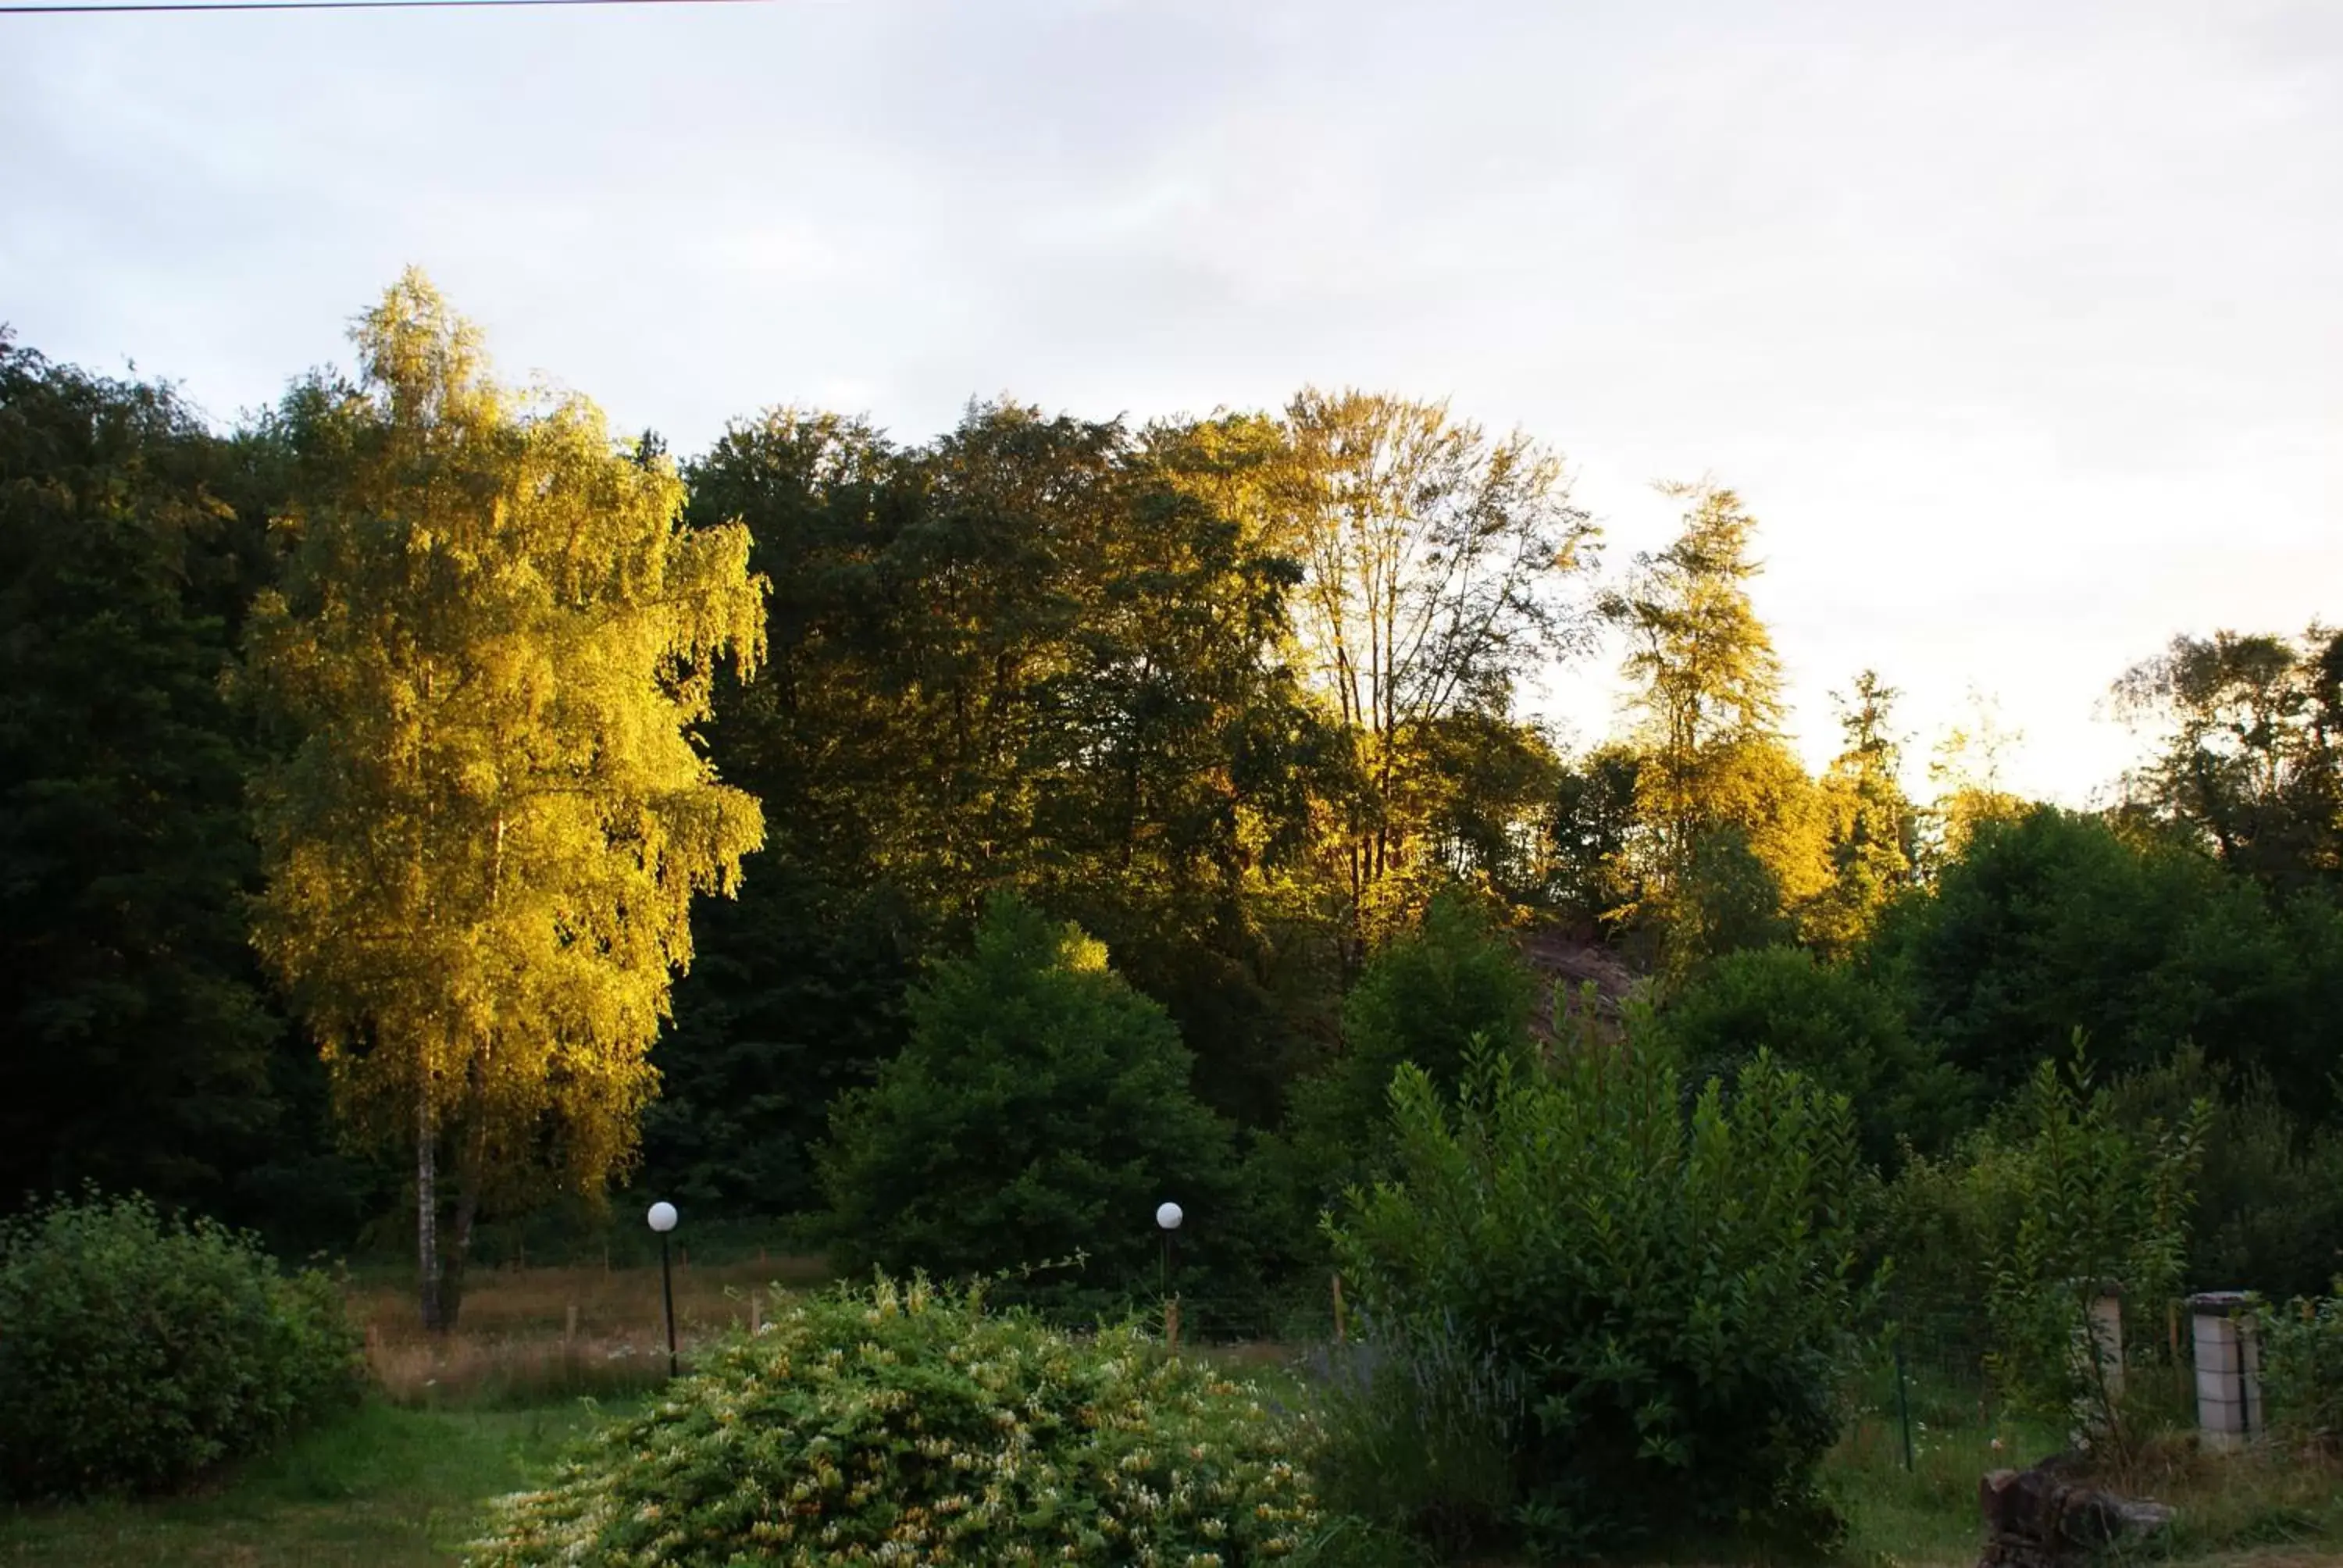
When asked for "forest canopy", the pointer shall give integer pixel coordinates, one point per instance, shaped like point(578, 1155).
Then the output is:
point(423, 808)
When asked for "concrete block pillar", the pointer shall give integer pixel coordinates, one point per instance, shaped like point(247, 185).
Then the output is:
point(2228, 1368)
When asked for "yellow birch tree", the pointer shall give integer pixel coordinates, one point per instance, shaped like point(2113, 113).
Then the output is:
point(489, 813)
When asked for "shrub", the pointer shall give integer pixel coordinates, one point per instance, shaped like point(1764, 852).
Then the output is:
point(2092, 1203)
point(1668, 1294)
point(2033, 1214)
point(1041, 1111)
point(2302, 1365)
point(899, 1424)
point(137, 1352)
point(2269, 1215)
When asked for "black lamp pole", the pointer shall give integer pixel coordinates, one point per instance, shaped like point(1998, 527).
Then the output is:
point(667, 1285)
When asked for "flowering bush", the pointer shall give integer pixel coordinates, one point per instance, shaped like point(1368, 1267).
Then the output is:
point(902, 1426)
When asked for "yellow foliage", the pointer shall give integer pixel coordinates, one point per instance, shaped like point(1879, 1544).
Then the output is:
point(490, 817)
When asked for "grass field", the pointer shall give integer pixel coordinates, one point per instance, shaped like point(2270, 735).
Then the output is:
point(386, 1488)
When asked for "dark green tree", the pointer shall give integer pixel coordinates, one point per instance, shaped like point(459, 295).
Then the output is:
point(1590, 831)
point(1039, 654)
point(140, 1048)
point(2251, 765)
point(1039, 1109)
point(1425, 998)
point(2055, 922)
point(797, 995)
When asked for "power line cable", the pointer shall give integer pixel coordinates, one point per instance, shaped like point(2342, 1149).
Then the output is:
point(87, 9)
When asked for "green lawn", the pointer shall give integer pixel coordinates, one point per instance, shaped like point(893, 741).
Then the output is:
point(391, 1487)
point(385, 1488)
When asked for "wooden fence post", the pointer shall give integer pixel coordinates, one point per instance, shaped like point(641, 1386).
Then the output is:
point(1171, 1322)
point(1338, 1309)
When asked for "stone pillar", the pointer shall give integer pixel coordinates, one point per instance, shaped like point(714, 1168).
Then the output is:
point(2228, 1368)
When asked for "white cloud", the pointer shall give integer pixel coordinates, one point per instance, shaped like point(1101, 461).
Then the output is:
point(2015, 322)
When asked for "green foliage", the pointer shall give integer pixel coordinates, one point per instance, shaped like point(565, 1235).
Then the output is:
point(796, 995)
point(1669, 1292)
point(1044, 655)
point(1040, 1110)
point(1874, 827)
point(1425, 998)
point(2269, 1215)
point(2053, 922)
point(1830, 1023)
point(1732, 836)
point(2302, 1364)
point(139, 1045)
point(1438, 569)
point(899, 1424)
point(140, 1352)
point(2035, 1215)
point(1589, 828)
point(2250, 769)
point(1728, 899)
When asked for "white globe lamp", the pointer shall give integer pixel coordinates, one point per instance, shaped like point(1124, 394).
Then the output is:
point(1168, 1216)
point(662, 1217)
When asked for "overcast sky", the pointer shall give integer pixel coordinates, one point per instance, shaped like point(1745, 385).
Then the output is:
point(2019, 325)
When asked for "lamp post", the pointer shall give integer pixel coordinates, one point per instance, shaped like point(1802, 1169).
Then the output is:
point(662, 1219)
point(1167, 1219)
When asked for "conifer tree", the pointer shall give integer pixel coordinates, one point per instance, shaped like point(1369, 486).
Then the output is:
point(1873, 828)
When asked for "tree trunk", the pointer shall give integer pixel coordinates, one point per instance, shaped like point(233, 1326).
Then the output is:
point(426, 1215)
point(469, 1170)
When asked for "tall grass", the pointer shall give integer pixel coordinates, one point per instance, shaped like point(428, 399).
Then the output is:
point(1419, 1443)
point(531, 1336)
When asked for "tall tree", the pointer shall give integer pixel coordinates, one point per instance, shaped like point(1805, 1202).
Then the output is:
point(2251, 763)
point(485, 833)
point(1037, 653)
point(1965, 771)
point(1439, 565)
point(138, 1043)
point(1873, 828)
point(1726, 809)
